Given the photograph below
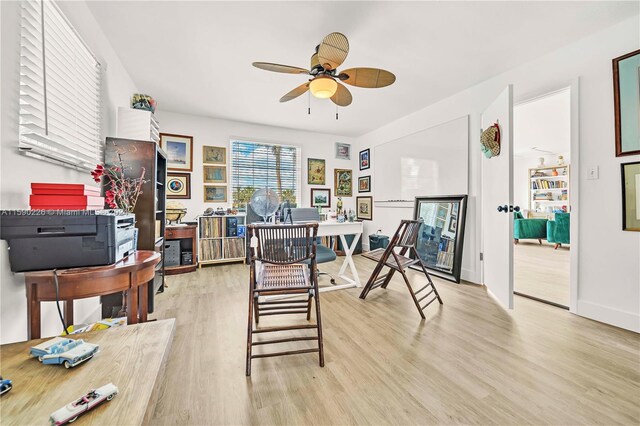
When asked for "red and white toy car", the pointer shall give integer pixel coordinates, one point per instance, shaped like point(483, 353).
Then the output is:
point(70, 412)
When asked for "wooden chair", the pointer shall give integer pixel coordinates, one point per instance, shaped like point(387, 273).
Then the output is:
point(276, 269)
point(405, 239)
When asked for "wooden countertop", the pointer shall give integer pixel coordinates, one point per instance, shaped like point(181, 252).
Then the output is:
point(132, 357)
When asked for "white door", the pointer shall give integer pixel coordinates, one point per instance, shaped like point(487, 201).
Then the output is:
point(497, 190)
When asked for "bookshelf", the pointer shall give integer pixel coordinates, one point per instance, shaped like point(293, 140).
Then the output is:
point(221, 239)
point(549, 191)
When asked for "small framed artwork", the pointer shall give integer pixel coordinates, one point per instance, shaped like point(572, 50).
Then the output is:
point(215, 194)
point(626, 102)
point(631, 196)
point(343, 151)
point(364, 184)
point(214, 174)
point(179, 149)
point(365, 159)
point(343, 183)
point(316, 174)
point(214, 154)
point(179, 185)
point(453, 223)
point(364, 207)
point(320, 197)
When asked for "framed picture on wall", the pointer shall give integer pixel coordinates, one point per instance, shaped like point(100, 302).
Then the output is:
point(214, 174)
point(316, 174)
point(178, 185)
point(365, 159)
point(626, 103)
point(215, 194)
point(364, 184)
point(343, 151)
point(364, 208)
point(179, 149)
point(214, 154)
point(320, 197)
point(631, 196)
point(343, 183)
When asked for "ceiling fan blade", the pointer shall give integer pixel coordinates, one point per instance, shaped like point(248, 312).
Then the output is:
point(295, 92)
point(367, 77)
point(333, 50)
point(342, 97)
point(268, 66)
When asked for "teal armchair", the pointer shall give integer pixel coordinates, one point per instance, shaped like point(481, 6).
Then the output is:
point(524, 229)
point(558, 229)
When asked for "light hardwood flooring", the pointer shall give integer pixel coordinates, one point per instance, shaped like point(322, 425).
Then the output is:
point(469, 362)
point(541, 271)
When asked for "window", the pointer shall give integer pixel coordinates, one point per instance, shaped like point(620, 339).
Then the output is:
point(59, 90)
point(258, 165)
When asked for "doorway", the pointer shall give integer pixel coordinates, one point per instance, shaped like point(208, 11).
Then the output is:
point(542, 188)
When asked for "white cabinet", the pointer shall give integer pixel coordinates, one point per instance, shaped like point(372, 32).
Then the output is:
point(137, 124)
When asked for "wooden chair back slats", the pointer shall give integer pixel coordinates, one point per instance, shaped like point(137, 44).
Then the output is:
point(284, 244)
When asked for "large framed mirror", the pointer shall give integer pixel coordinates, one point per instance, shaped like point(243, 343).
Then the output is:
point(441, 235)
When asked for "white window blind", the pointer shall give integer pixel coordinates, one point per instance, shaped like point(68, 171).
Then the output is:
point(59, 90)
point(259, 165)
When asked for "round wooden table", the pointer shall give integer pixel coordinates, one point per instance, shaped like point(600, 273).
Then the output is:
point(131, 274)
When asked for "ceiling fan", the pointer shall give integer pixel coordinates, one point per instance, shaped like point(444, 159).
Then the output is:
point(329, 55)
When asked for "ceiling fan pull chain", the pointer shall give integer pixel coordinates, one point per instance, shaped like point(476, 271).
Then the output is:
point(309, 104)
point(336, 112)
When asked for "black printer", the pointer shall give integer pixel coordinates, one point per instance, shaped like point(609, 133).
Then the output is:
point(48, 239)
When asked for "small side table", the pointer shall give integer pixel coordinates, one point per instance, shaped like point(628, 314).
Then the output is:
point(131, 274)
point(186, 234)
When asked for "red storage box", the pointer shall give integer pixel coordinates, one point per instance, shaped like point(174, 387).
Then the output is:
point(64, 189)
point(66, 202)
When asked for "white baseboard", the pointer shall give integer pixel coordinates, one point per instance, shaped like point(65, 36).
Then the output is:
point(608, 315)
point(470, 276)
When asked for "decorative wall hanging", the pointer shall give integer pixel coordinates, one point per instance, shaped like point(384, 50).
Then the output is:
point(364, 208)
point(631, 196)
point(626, 101)
point(214, 154)
point(215, 194)
point(343, 183)
point(490, 141)
point(365, 159)
point(179, 149)
point(179, 185)
point(214, 174)
point(364, 184)
point(316, 171)
point(320, 197)
point(343, 151)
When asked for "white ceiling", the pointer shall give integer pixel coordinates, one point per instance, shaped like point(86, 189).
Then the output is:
point(195, 57)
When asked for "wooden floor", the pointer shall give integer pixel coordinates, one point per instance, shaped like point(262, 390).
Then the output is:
point(469, 362)
point(541, 271)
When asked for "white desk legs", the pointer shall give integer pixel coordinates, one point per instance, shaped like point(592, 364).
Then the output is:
point(354, 280)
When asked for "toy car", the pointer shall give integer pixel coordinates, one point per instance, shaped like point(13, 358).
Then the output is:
point(64, 351)
point(70, 412)
point(5, 385)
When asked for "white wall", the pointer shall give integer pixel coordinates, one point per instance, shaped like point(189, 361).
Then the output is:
point(609, 259)
point(218, 132)
point(17, 171)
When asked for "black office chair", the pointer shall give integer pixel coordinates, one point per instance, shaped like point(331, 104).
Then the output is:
point(323, 254)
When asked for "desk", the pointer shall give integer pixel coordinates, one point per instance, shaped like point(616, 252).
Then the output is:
point(132, 357)
point(332, 228)
point(131, 274)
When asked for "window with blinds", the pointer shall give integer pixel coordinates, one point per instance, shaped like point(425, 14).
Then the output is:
point(259, 165)
point(59, 90)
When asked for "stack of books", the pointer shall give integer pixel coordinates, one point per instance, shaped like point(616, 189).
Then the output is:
point(65, 196)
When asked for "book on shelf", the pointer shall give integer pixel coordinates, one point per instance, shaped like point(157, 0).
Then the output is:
point(212, 227)
point(548, 184)
point(210, 249)
point(234, 248)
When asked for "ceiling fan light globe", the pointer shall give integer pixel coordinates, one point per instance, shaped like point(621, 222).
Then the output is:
point(323, 87)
